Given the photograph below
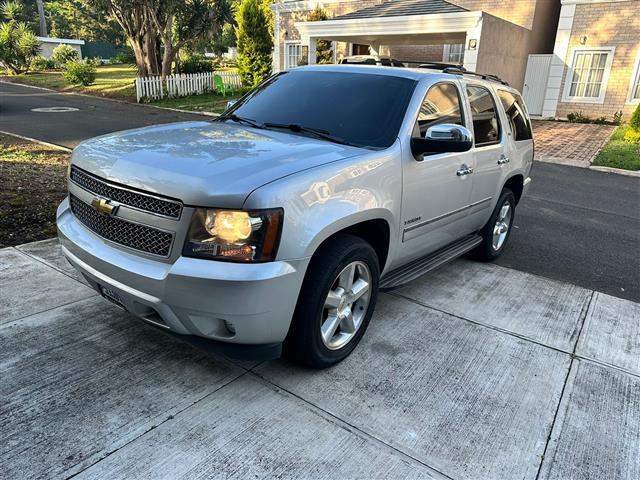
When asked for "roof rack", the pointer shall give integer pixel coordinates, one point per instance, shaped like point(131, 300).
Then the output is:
point(459, 70)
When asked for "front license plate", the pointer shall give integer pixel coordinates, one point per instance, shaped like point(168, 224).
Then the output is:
point(112, 296)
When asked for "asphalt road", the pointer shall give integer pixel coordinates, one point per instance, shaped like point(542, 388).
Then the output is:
point(576, 225)
point(579, 226)
point(95, 116)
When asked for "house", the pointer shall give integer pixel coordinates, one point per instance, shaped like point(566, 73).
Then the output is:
point(48, 44)
point(595, 68)
point(535, 45)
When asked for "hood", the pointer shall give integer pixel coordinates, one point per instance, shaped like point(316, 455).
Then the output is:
point(204, 163)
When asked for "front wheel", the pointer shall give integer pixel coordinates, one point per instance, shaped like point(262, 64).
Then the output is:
point(336, 302)
point(496, 232)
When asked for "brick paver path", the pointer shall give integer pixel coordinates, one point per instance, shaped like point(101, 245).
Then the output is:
point(569, 143)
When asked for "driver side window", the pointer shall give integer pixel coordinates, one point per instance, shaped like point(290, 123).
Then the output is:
point(441, 104)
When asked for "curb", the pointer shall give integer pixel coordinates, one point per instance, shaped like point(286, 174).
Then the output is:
point(40, 142)
point(619, 171)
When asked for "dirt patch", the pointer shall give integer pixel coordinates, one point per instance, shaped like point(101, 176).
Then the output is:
point(33, 181)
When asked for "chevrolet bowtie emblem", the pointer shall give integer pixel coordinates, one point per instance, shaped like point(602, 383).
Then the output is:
point(103, 207)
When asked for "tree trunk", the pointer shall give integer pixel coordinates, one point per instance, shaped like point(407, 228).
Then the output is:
point(43, 19)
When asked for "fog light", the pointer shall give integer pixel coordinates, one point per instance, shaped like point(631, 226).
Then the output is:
point(230, 328)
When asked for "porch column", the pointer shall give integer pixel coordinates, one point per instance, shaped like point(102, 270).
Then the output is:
point(312, 50)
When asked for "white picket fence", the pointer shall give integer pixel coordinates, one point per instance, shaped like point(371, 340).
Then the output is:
point(181, 85)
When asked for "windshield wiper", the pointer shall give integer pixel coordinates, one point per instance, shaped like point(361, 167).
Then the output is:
point(294, 127)
point(235, 118)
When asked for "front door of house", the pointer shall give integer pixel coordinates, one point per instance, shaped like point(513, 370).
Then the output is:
point(535, 82)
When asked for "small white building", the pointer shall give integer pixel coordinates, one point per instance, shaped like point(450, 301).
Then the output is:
point(47, 44)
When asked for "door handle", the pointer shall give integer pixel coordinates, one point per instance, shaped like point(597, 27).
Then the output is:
point(464, 170)
point(503, 159)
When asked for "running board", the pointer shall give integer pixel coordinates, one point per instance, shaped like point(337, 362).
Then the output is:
point(423, 265)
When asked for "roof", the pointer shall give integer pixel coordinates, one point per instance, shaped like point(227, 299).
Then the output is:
point(70, 41)
point(398, 8)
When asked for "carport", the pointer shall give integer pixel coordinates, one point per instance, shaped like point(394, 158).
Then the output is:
point(491, 44)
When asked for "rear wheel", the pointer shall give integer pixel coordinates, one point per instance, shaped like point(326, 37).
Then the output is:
point(496, 232)
point(336, 302)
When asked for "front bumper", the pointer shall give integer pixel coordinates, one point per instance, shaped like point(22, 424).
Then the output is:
point(244, 304)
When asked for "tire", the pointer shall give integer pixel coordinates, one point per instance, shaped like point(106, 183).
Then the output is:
point(329, 270)
point(493, 246)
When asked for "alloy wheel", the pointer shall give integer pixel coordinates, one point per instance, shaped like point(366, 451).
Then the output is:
point(346, 305)
point(502, 226)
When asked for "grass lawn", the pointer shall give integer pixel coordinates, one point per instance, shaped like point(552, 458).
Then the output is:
point(209, 102)
point(114, 81)
point(619, 154)
point(33, 181)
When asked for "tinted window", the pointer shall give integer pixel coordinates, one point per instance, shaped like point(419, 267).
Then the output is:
point(361, 108)
point(486, 127)
point(441, 104)
point(518, 120)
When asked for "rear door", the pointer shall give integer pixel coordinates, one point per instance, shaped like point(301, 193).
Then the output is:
point(435, 196)
point(520, 134)
point(490, 151)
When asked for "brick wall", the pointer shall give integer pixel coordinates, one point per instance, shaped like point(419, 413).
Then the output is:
point(520, 12)
point(608, 24)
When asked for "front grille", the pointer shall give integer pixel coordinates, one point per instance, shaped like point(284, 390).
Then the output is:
point(141, 201)
point(132, 235)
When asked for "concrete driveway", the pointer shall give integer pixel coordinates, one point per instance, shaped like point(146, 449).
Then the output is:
point(474, 372)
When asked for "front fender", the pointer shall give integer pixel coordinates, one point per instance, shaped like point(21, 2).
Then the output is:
point(324, 200)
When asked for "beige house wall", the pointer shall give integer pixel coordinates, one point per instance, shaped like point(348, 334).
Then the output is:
point(606, 24)
point(503, 50)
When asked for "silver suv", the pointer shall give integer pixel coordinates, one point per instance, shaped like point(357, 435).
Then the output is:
point(272, 227)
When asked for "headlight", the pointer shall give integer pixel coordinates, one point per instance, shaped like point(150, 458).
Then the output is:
point(234, 235)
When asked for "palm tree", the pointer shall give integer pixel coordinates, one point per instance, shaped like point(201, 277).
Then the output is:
point(43, 19)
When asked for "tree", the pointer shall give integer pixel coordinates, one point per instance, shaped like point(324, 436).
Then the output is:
point(134, 18)
point(18, 44)
point(180, 23)
point(324, 53)
point(84, 20)
point(255, 41)
point(42, 18)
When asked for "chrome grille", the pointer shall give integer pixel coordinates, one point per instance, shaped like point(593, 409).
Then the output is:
point(124, 196)
point(132, 235)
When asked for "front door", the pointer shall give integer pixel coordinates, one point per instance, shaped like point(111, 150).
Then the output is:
point(436, 191)
point(535, 82)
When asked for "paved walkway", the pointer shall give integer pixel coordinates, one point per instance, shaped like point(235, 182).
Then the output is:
point(474, 371)
point(574, 144)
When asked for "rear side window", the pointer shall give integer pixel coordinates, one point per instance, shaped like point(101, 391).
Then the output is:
point(486, 126)
point(441, 104)
point(517, 115)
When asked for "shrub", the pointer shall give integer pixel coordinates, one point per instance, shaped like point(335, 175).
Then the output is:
point(578, 117)
point(77, 72)
point(617, 118)
point(324, 54)
point(18, 45)
point(600, 121)
point(63, 54)
point(40, 63)
point(95, 61)
point(255, 41)
point(195, 64)
point(124, 56)
point(635, 119)
point(632, 136)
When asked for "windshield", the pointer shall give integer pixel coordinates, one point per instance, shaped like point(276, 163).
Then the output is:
point(361, 109)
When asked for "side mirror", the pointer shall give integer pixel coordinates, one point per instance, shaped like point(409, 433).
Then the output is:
point(443, 138)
